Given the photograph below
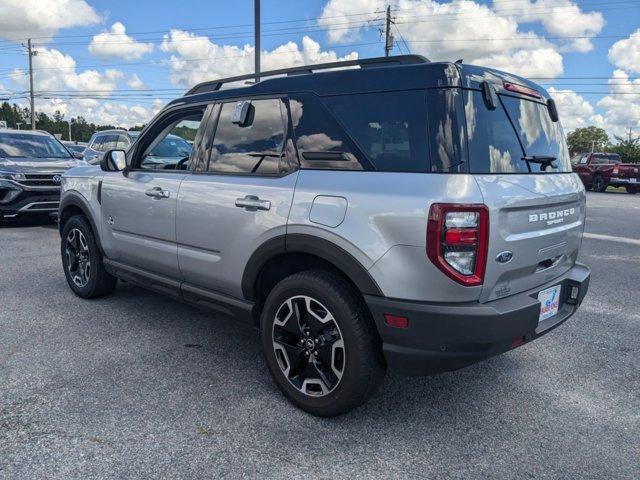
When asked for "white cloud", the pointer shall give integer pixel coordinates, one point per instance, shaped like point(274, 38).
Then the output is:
point(492, 35)
point(574, 110)
point(542, 62)
point(625, 53)
point(20, 19)
point(198, 59)
point(117, 44)
point(55, 71)
point(622, 106)
point(135, 82)
point(341, 14)
point(561, 18)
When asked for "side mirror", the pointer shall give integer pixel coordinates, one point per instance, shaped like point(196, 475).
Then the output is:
point(77, 155)
point(553, 110)
point(489, 95)
point(114, 161)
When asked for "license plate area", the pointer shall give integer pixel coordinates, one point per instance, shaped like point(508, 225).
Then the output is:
point(549, 299)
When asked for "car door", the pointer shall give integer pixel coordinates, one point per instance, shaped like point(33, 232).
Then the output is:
point(239, 198)
point(139, 204)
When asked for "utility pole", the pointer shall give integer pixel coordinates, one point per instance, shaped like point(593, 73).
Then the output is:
point(33, 112)
point(256, 22)
point(69, 122)
point(388, 36)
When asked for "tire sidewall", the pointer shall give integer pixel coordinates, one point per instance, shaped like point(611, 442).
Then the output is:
point(94, 255)
point(355, 354)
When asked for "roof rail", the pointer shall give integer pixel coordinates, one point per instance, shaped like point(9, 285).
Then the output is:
point(213, 85)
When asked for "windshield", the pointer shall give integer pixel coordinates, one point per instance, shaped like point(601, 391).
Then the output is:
point(517, 128)
point(173, 147)
point(32, 146)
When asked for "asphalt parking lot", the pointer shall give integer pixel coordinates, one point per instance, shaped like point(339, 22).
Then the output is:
point(138, 385)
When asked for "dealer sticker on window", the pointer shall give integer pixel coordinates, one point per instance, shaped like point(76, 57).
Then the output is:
point(549, 302)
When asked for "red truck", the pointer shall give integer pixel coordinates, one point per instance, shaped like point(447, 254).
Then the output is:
point(599, 170)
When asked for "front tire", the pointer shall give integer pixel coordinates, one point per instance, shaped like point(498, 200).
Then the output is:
point(82, 260)
point(632, 189)
point(320, 343)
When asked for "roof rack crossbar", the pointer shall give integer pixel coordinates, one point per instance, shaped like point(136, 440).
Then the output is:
point(213, 85)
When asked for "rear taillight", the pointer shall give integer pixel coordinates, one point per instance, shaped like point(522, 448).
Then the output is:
point(457, 240)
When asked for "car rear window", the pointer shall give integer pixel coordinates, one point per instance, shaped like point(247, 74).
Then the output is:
point(500, 138)
point(390, 128)
point(605, 158)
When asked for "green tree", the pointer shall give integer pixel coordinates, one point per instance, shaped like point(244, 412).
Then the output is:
point(583, 140)
point(627, 148)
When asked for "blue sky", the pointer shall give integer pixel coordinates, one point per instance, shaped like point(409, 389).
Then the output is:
point(118, 62)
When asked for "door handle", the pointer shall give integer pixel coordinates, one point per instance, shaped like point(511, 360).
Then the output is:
point(157, 193)
point(252, 203)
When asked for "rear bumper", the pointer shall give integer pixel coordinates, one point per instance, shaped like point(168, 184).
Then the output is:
point(443, 337)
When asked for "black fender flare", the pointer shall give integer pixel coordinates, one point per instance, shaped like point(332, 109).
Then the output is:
point(310, 244)
point(73, 199)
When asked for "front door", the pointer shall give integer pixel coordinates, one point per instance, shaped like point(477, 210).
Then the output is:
point(239, 199)
point(139, 205)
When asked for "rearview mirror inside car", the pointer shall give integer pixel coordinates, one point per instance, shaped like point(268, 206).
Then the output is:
point(114, 161)
point(243, 114)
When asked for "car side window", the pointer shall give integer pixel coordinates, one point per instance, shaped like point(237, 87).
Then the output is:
point(322, 143)
point(97, 144)
point(256, 147)
point(584, 159)
point(123, 142)
point(171, 147)
point(110, 142)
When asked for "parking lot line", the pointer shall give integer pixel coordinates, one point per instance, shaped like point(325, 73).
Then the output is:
point(612, 238)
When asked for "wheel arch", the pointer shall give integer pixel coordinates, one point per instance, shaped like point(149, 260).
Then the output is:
point(74, 204)
point(284, 255)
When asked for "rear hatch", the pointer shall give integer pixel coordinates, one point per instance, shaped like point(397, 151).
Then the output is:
point(520, 161)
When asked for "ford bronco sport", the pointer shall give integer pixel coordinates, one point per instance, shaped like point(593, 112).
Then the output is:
point(390, 213)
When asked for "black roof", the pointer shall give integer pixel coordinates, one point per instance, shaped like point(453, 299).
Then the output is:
point(375, 74)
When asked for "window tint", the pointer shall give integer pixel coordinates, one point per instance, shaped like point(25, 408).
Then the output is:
point(391, 128)
point(538, 134)
point(320, 140)
point(171, 148)
point(493, 144)
point(446, 136)
point(256, 148)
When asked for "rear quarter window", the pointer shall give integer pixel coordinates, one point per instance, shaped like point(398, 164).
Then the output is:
point(390, 128)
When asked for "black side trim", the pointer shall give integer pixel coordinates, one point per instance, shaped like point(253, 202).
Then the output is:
point(302, 243)
point(72, 199)
point(207, 299)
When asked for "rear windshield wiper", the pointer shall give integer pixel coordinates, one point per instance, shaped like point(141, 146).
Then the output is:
point(544, 160)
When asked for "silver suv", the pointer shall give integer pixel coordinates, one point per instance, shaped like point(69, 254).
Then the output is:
point(360, 215)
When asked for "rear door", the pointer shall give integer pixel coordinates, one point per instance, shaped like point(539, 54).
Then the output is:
point(139, 205)
point(239, 198)
point(536, 212)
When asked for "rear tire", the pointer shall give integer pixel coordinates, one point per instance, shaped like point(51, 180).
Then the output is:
point(320, 343)
point(632, 189)
point(82, 260)
point(599, 185)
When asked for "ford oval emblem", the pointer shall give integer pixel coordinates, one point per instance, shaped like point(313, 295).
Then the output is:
point(504, 257)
